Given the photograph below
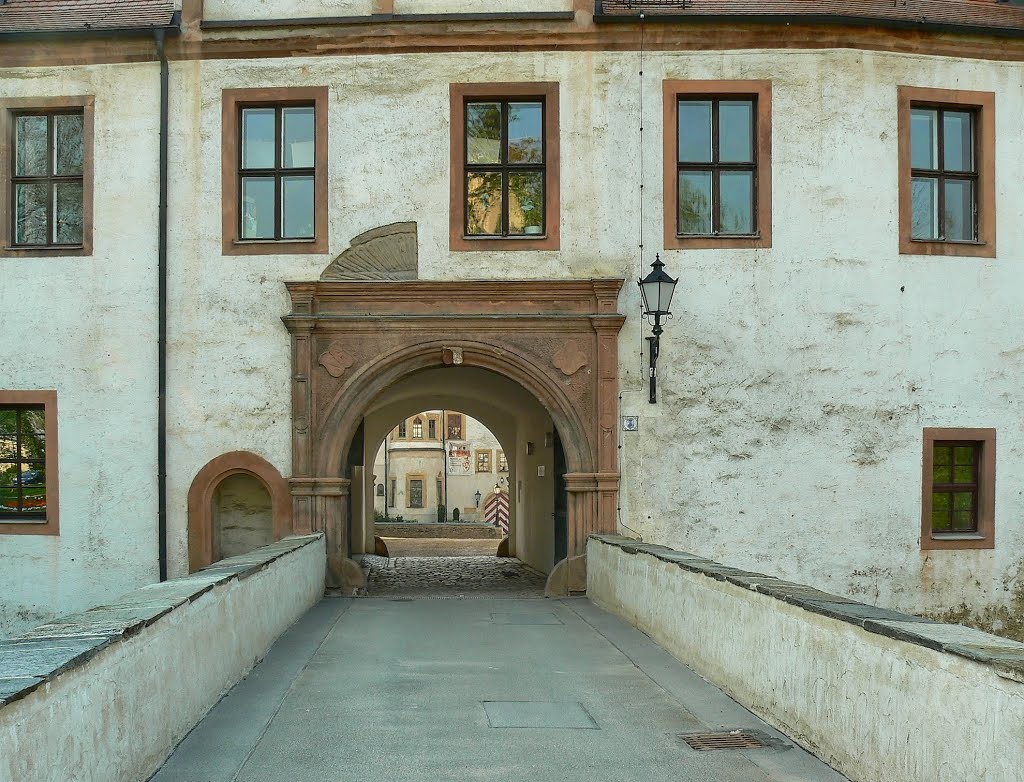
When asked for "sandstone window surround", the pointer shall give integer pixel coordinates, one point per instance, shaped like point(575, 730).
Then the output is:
point(277, 175)
point(718, 149)
point(936, 173)
point(958, 489)
point(67, 166)
point(25, 515)
point(483, 460)
point(454, 426)
point(504, 194)
point(414, 491)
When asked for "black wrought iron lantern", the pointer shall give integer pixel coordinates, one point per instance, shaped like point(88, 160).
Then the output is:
point(656, 290)
point(477, 496)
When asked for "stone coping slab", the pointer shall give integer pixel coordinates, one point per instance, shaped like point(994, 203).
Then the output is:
point(1006, 656)
point(42, 654)
point(465, 530)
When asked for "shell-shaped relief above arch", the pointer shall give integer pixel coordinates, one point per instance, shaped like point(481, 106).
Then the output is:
point(388, 252)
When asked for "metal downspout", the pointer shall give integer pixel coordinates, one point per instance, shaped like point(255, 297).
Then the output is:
point(162, 312)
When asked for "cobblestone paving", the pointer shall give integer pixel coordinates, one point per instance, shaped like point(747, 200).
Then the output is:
point(451, 577)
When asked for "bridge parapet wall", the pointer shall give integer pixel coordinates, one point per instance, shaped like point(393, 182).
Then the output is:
point(105, 695)
point(877, 694)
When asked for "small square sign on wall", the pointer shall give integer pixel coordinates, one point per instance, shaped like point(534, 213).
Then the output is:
point(630, 423)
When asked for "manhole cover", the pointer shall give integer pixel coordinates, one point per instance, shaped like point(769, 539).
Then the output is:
point(731, 739)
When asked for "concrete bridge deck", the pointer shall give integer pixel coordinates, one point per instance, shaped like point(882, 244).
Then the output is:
point(430, 688)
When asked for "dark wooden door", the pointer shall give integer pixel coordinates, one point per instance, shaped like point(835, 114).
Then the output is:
point(561, 514)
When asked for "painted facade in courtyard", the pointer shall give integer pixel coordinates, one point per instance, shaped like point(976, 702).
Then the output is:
point(841, 202)
point(436, 462)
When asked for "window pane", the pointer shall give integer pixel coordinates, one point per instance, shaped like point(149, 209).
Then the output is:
point(299, 137)
point(695, 202)
point(31, 203)
point(525, 133)
point(526, 203)
point(69, 139)
point(963, 474)
point(31, 151)
point(694, 131)
point(483, 133)
point(964, 454)
point(958, 141)
point(943, 454)
point(736, 131)
point(258, 129)
point(8, 423)
point(942, 474)
point(483, 207)
point(963, 521)
point(257, 207)
point(959, 222)
point(33, 434)
point(736, 194)
point(963, 500)
point(924, 138)
point(68, 211)
point(941, 501)
point(34, 475)
point(297, 210)
point(940, 521)
point(8, 473)
point(924, 205)
point(8, 447)
point(33, 499)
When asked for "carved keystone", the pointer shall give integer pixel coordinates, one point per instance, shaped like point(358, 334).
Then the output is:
point(451, 356)
point(569, 358)
point(335, 360)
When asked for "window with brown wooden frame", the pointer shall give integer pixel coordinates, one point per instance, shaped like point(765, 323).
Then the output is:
point(275, 170)
point(717, 164)
point(417, 428)
point(504, 179)
point(958, 499)
point(947, 172)
point(48, 176)
point(28, 463)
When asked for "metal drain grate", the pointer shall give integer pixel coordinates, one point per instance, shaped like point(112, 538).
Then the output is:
point(733, 739)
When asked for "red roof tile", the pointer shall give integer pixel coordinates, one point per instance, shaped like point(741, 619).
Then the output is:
point(967, 13)
point(83, 15)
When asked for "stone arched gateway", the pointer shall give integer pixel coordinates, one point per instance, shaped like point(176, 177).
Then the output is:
point(352, 340)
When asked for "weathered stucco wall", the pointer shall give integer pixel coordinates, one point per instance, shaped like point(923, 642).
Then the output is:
point(86, 327)
point(795, 381)
point(873, 706)
point(143, 681)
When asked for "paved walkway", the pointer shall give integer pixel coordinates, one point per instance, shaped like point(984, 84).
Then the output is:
point(477, 689)
point(476, 576)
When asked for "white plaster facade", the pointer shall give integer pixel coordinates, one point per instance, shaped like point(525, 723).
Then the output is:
point(795, 381)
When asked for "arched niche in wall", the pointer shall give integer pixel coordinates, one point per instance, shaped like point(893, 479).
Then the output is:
point(202, 496)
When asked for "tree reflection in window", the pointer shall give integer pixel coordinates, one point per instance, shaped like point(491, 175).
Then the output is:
point(505, 168)
point(22, 461)
point(47, 179)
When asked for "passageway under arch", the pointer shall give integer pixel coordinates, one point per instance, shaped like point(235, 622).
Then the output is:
point(536, 361)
